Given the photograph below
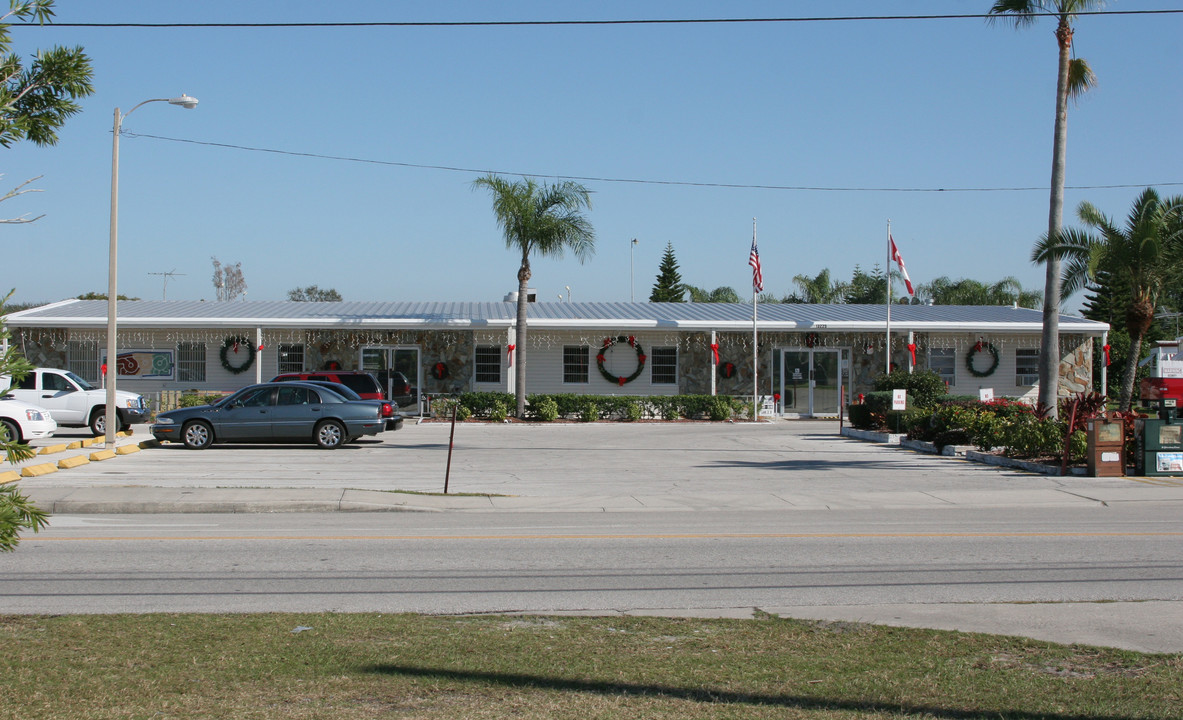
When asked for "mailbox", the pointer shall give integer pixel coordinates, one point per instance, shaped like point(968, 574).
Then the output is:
point(1160, 443)
point(1106, 445)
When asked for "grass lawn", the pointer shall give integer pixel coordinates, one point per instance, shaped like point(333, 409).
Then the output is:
point(413, 666)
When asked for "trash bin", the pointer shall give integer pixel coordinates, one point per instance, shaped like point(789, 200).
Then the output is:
point(1160, 443)
point(1106, 445)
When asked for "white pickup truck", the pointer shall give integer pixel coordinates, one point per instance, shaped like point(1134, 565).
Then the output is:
point(73, 402)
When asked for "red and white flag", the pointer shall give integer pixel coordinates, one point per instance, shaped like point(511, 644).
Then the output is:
point(899, 260)
point(754, 261)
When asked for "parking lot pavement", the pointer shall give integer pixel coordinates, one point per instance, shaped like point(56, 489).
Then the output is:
point(601, 466)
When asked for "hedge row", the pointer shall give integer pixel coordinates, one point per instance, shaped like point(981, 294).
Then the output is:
point(589, 408)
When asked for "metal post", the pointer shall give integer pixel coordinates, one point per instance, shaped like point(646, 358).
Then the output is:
point(451, 443)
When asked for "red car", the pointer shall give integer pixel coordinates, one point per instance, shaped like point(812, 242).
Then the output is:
point(362, 383)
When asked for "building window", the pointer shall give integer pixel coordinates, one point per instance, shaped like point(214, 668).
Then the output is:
point(291, 358)
point(83, 360)
point(663, 365)
point(488, 363)
point(191, 362)
point(943, 361)
point(1026, 367)
point(575, 363)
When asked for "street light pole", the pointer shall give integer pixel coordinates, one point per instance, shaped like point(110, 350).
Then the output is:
point(111, 418)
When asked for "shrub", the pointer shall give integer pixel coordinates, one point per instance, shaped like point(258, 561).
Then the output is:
point(482, 404)
point(924, 386)
point(194, 400)
point(498, 412)
point(544, 408)
point(590, 412)
point(861, 417)
point(719, 408)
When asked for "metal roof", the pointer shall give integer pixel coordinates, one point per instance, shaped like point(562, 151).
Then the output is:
point(579, 315)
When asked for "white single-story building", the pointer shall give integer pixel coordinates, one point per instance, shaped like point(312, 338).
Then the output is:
point(805, 355)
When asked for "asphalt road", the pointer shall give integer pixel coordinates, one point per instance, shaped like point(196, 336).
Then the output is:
point(665, 562)
point(671, 519)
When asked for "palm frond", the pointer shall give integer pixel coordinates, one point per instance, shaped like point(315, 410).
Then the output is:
point(1081, 78)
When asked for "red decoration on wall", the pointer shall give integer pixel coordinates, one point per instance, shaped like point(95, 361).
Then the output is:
point(728, 370)
point(912, 349)
point(715, 350)
point(260, 348)
point(1106, 347)
point(440, 371)
point(509, 349)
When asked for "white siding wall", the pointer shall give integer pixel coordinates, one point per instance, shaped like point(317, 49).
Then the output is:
point(1002, 380)
point(544, 369)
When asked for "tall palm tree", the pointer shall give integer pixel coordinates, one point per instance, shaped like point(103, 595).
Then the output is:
point(1143, 257)
point(1074, 77)
point(966, 291)
point(820, 289)
point(544, 220)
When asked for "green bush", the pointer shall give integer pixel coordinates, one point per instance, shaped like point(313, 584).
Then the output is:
point(924, 387)
point(498, 412)
point(195, 400)
point(590, 412)
point(861, 417)
point(483, 404)
point(544, 408)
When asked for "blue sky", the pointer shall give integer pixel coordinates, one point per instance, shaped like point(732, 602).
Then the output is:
point(899, 104)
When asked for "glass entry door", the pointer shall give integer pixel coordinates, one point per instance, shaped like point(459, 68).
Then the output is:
point(809, 382)
point(384, 362)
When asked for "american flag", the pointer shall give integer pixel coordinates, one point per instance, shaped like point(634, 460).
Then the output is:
point(754, 261)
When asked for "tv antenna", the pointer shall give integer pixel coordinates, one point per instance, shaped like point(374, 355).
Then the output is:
point(167, 275)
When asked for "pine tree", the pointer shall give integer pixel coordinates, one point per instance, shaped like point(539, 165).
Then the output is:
point(669, 287)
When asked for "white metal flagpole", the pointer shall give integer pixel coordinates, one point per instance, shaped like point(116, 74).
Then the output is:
point(755, 342)
point(887, 272)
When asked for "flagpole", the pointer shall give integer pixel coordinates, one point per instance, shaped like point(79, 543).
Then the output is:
point(755, 346)
point(887, 349)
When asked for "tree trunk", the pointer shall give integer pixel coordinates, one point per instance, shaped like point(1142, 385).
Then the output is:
point(1049, 351)
point(1130, 373)
point(520, 341)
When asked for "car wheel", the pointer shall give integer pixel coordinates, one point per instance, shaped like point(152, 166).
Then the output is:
point(98, 421)
point(12, 430)
point(197, 435)
point(330, 434)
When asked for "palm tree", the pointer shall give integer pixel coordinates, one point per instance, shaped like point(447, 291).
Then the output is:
point(722, 294)
point(544, 220)
point(820, 289)
point(1142, 257)
point(966, 291)
point(1074, 78)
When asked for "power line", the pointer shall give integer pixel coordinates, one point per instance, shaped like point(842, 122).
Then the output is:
point(636, 181)
point(642, 21)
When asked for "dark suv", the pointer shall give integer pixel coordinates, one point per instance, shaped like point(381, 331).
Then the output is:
point(362, 383)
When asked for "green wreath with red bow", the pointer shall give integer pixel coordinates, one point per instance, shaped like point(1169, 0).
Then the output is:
point(609, 342)
point(233, 344)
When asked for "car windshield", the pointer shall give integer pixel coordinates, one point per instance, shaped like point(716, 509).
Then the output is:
point(79, 381)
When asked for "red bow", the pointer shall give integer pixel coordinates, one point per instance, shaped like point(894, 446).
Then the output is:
point(1105, 347)
point(912, 349)
point(260, 348)
point(715, 349)
point(632, 341)
point(607, 342)
point(620, 381)
point(510, 350)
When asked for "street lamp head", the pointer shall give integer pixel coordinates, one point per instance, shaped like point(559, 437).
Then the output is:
point(184, 101)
